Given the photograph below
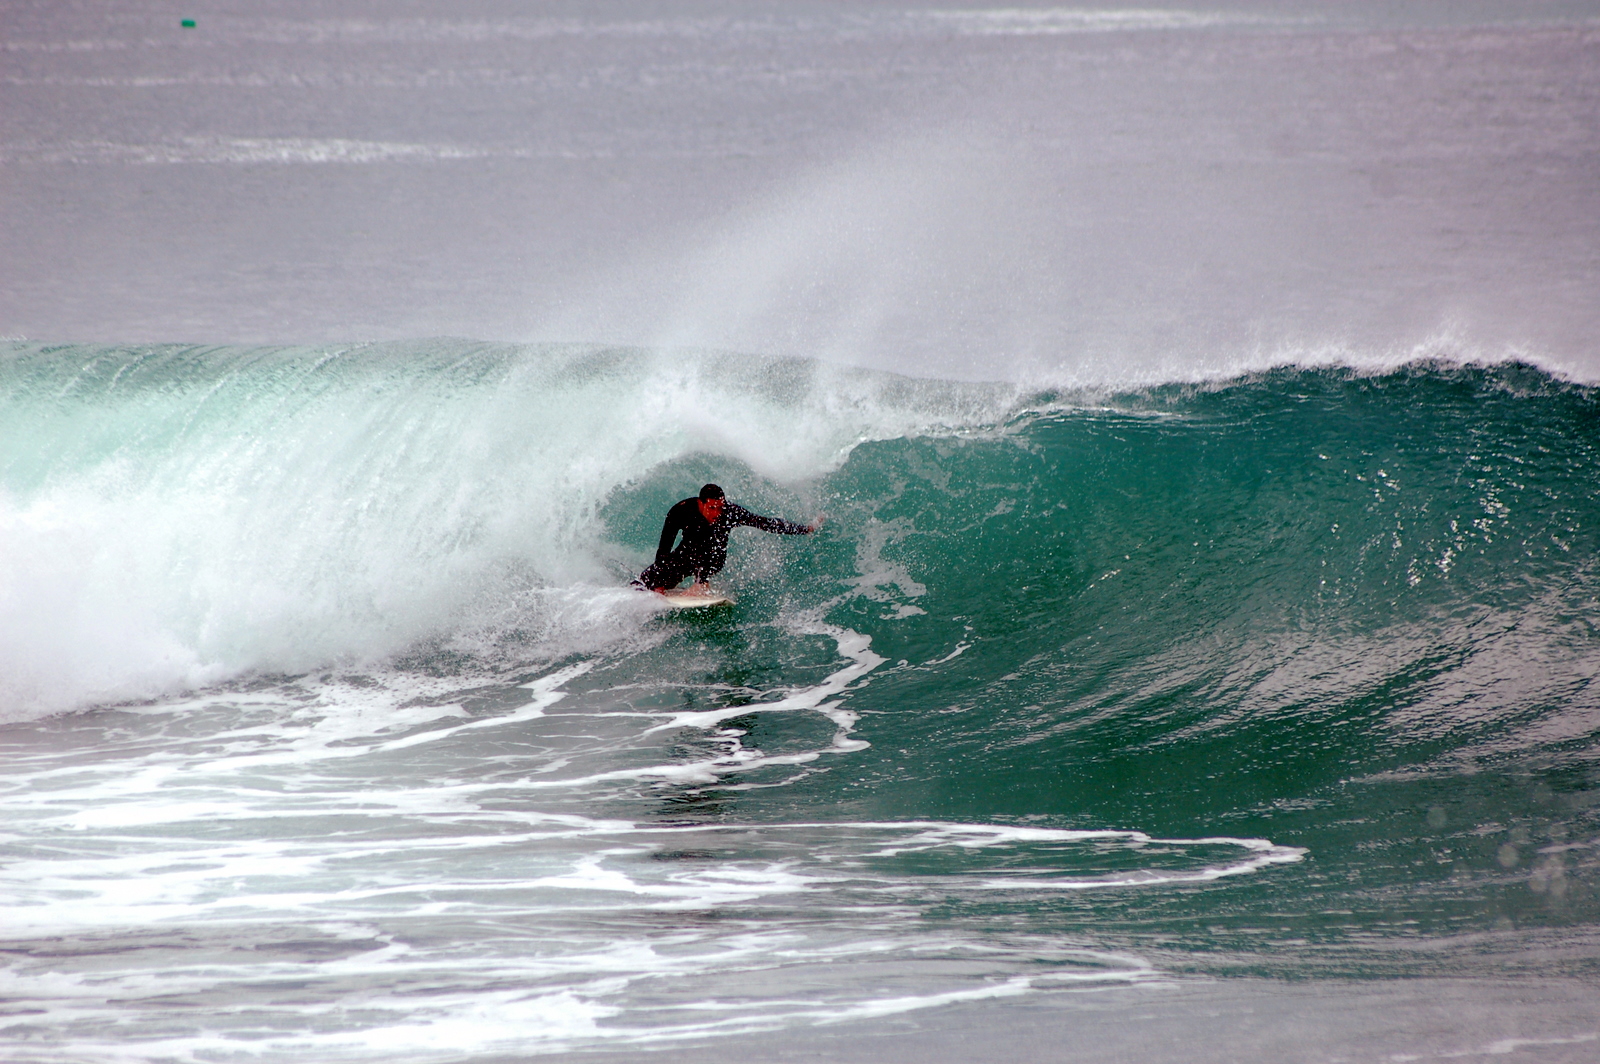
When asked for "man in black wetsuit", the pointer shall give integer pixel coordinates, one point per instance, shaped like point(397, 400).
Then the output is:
point(705, 523)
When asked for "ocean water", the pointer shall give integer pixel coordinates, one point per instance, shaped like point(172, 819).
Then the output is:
point(1197, 662)
point(1284, 678)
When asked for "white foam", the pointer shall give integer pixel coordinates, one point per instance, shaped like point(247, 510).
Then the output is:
point(210, 515)
point(339, 840)
point(852, 645)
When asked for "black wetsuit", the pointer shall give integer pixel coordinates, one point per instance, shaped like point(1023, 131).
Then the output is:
point(704, 549)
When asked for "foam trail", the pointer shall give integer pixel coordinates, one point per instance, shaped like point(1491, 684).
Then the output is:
point(852, 645)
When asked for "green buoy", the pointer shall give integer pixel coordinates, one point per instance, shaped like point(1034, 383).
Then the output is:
point(188, 23)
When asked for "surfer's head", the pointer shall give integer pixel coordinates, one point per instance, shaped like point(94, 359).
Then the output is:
point(711, 502)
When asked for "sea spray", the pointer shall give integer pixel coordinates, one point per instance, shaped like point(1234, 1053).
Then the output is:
point(174, 516)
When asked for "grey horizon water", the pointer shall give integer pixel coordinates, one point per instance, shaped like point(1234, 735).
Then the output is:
point(1248, 721)
point(1082, 193)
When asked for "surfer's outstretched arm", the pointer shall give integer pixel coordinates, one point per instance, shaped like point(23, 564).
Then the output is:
point(738, 515)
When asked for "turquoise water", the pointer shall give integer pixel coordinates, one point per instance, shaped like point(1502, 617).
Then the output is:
point(333, 731)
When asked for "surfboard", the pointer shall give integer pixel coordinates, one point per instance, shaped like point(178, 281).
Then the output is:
point(687, 600)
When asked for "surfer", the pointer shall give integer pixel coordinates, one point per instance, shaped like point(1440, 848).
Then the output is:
point(705, 522)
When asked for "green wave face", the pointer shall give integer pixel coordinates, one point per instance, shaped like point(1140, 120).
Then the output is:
point(1352, 613)
point(1278, 582)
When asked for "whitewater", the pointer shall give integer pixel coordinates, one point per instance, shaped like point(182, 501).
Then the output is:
point(1197, 663)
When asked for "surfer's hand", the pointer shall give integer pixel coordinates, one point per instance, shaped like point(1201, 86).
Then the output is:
point(813, 526)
